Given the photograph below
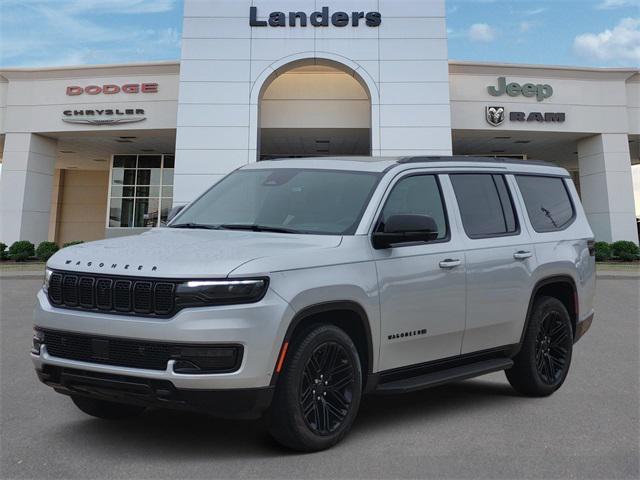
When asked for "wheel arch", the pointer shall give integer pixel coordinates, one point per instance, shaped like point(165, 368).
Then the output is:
point(345, 314)
point(561, 287)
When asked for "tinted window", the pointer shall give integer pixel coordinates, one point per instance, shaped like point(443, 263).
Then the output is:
point(298, 200)
point(547, 201)
point(417, 195)
point(485, 205)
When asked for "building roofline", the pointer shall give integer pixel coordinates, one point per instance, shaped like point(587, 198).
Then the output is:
point(466, 63)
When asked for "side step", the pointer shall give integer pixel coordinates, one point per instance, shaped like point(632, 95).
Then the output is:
point(441, 377)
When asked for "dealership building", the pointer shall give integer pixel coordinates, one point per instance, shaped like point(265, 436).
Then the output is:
point(102, 151)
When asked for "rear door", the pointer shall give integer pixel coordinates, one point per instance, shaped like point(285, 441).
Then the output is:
point(500, 260)
point(422, 286)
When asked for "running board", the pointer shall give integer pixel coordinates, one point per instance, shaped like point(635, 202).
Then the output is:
point(441, 377)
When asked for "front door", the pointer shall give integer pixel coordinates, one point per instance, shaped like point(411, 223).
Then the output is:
point(422, 286)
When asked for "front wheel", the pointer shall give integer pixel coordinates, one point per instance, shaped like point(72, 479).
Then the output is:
point(543, 363)
point(318, 394)
point(106, 410)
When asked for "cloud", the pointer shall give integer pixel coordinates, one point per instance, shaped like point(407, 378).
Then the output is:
point(79, 32)
point(619, 45)
point(612, 4)
point(525, 27)
point(482, 32)
point(535, 11)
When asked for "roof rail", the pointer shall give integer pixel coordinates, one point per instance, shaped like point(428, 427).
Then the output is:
point(470, 158)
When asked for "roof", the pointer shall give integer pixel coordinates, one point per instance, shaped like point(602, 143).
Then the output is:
point(383, 164)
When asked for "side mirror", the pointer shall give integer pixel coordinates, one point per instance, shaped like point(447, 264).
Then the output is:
point(173, 213)
point(400, 229)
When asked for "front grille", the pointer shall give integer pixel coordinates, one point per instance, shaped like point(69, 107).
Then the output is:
point(142, 354)
point(112, 294)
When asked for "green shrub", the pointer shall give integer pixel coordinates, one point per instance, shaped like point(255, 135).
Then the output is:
point(46, 250)
point(3, 251)
point(625, 251)
point(22, 250)
point(71, 244)
point(603, 252)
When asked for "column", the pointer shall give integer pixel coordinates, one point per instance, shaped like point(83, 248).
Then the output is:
point(26, 186)
point(607, 186)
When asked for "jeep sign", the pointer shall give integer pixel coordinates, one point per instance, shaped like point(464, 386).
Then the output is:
point(541, 92)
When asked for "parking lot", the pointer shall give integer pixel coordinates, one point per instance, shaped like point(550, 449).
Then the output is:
point(473, 429)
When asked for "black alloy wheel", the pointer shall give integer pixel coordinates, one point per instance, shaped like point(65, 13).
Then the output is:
point(318, 391)
point(326, 390)
point(542, 364)
point(552, 347)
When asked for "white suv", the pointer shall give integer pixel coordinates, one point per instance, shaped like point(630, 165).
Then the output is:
point(293, 287)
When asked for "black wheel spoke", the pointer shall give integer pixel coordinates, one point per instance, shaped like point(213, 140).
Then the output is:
point(325, 388)
point(552, 348)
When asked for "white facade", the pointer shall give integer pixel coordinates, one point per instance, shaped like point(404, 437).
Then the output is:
point(241, 93)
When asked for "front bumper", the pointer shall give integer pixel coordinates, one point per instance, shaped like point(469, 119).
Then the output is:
point(259, 328)
point(232, 403)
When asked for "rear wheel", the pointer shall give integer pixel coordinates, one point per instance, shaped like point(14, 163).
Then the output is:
point(106, 410)
point(543, 363)
point(318, 394)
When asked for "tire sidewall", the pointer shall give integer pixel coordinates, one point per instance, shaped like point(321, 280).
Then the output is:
point(542, 308)
point(291, 383)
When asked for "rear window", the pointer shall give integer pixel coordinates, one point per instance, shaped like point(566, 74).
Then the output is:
point(485, 205)
point(548, 203)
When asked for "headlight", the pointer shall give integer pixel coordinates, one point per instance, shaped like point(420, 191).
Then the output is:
point(199, 293)
point(47, 279)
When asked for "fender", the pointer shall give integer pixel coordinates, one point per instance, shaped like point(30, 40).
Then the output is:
point(541, 283)
point(326, 307)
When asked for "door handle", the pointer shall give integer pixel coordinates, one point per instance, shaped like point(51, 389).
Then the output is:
point(449, 263)
point(522, 255)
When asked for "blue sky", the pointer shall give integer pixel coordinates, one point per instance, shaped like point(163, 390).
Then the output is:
point(564, 32)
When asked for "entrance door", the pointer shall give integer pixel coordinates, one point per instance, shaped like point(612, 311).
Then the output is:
point(422, 286)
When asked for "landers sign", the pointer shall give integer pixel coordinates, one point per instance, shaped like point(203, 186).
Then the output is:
point(321, 18)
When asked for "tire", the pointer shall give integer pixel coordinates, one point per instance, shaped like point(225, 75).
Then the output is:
point(106, 410)
point(323, 360)
point(542, 365)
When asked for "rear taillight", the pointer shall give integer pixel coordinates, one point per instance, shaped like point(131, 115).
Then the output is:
point(591, 244)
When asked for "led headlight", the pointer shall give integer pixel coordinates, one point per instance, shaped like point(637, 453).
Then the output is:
point(47, 279)
point(199, 293)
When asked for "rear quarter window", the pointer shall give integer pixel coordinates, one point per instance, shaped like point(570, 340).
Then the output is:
point(548, 202)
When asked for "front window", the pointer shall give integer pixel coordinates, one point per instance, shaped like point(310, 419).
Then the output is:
point(288, 200)
point(141, 190)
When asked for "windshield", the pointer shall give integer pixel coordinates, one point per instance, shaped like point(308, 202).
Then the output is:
point(325, 202)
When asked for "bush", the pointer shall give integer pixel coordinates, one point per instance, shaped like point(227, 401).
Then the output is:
point(46, 250)
point(71, 244)
point(625, 251)
point(603, 252)
point(22, 250)
point(3, 251)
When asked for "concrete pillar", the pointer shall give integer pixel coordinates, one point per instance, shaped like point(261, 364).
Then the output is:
point(26, 187)
point(607, 187)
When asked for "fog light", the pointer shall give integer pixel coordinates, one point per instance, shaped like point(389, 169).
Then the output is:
point(202, 360)
point(38, 341)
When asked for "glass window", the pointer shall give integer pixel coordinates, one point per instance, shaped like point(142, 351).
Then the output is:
point(417, 195)
point(140, 185)
point(298, 200)
point(485, 205)
point(547, 200)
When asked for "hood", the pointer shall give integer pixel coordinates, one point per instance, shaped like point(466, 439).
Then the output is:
point(178, 253)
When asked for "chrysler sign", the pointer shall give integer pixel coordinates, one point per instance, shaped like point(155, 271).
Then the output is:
point(320, 18)
point(104, 116)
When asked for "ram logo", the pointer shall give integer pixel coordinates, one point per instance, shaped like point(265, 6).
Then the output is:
point(495, 116)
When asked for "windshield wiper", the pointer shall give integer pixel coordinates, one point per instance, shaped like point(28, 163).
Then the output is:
point(195, 226)
point(257, 228)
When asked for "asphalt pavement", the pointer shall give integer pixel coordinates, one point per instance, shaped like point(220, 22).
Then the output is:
point(473, 429)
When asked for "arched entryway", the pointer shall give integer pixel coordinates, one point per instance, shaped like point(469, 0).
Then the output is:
point(314, 107)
